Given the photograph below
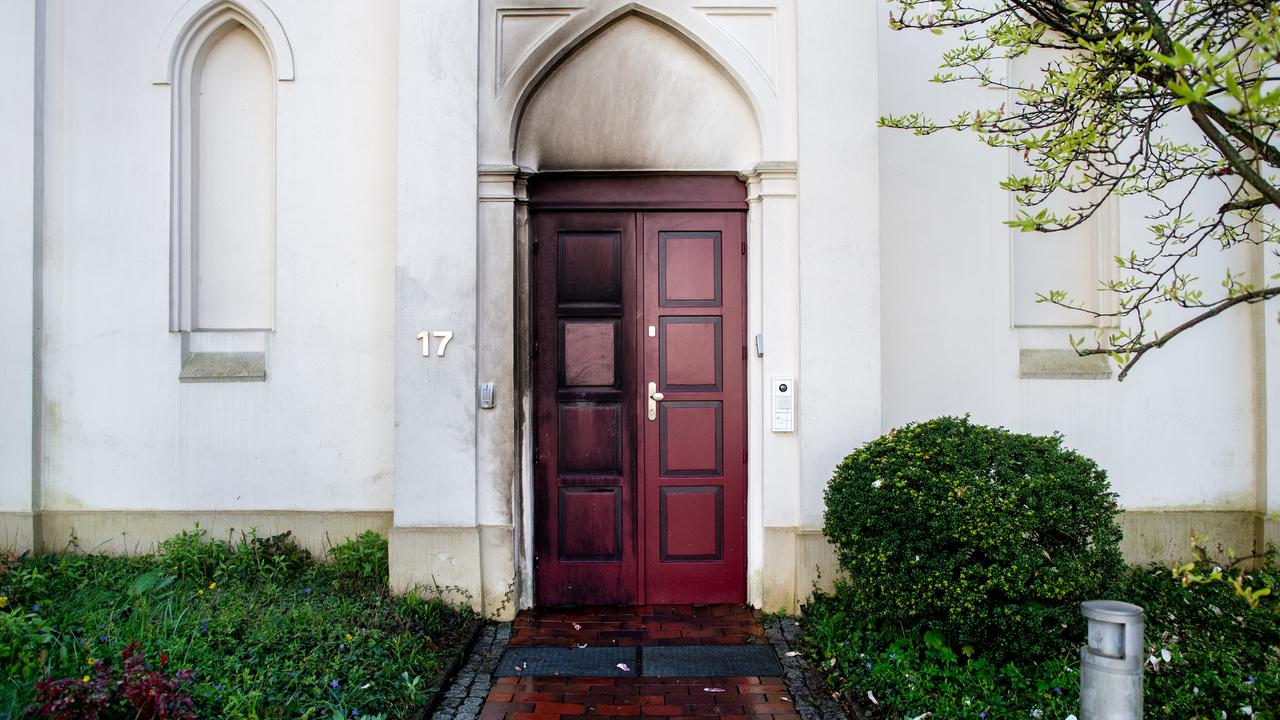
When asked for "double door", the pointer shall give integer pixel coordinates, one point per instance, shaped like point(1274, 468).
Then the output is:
point(640, 411)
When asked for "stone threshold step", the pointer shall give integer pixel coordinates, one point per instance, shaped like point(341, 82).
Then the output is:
point(644, 661)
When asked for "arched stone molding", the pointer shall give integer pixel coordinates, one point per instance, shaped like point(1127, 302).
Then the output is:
point(191, 27)
point(767, 84)
point(524, 45)
point(192, 31)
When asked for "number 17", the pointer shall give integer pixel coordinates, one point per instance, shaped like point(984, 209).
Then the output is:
point(443, 336)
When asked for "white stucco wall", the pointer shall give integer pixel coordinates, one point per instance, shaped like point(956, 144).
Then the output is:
point(17, 137)
point(839, 406)
point(1178, 433)
point(119, 430)
point(881, 275)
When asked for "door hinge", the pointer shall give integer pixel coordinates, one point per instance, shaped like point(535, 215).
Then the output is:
point(533, 353)
point(744, 352)
point(744, 457)
point(744, 247)
point(535, 247)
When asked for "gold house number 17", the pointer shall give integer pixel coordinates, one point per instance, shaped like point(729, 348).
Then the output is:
point(442, 336)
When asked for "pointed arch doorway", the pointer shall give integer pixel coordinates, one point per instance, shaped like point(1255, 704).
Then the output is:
point(626, 114)
point(639, 387)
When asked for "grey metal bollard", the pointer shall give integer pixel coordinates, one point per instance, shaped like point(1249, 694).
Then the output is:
point(1111, 662)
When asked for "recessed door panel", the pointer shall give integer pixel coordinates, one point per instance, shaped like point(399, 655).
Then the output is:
point(590, 439)
point(690, 438)
point(590, 524)
point(691, 524)
point(589, 350)
point(590, 267)
point(690, 353)
point(689, 273)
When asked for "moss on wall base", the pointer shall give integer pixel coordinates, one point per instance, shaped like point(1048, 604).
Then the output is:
point(475, 565)
point(800, 560)
point(1164, 536)
point(17, 531)
point(117, 532)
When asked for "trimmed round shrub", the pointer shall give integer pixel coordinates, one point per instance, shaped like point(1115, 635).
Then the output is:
point(988, 537)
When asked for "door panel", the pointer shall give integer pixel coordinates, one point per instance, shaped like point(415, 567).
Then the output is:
point(590, 349)
point(590, 524)
point(689, 273)
point(692, 524)
point(689, 353)
point(630, 509)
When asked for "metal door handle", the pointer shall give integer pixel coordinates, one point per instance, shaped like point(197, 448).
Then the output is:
point(654, 398)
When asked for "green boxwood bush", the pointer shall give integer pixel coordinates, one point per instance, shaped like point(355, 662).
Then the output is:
point(988, 537)
point(1208, 655)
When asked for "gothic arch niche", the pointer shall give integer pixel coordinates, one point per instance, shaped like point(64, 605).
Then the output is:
point(637, 96)
point(221, 60)
point(233, 184)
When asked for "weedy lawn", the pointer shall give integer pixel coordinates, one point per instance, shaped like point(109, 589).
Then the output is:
point(240, 628)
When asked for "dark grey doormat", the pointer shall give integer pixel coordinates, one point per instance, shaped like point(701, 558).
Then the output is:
point(665, 661)
point(568, 662)
point(710, 661)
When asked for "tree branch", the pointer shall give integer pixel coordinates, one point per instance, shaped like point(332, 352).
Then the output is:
point(1242, 167)
point(1252, 204)
point(1093, 123)
point(1269, 153)
point(1141, 349)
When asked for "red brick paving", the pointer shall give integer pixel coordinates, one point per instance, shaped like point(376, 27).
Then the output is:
point(641, 625)
point(686, 697)
point(757, 698)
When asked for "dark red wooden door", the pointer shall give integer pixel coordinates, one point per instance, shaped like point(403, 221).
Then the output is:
point(694, 446)
point(640, 492)
point(584, 313)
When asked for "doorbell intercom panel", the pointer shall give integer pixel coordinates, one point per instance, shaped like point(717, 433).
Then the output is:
point(784, 403)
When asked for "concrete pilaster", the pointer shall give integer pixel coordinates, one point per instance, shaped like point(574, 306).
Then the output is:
point(19, 239)
point(1267, 413)
point(436, 291)
point(773, 309)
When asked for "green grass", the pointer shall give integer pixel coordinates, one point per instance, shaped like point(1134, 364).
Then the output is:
point(1209, 655)
point(268, 631)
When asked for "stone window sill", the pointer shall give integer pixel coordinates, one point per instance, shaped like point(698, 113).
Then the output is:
point(198, 367)
point(1062, 365)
